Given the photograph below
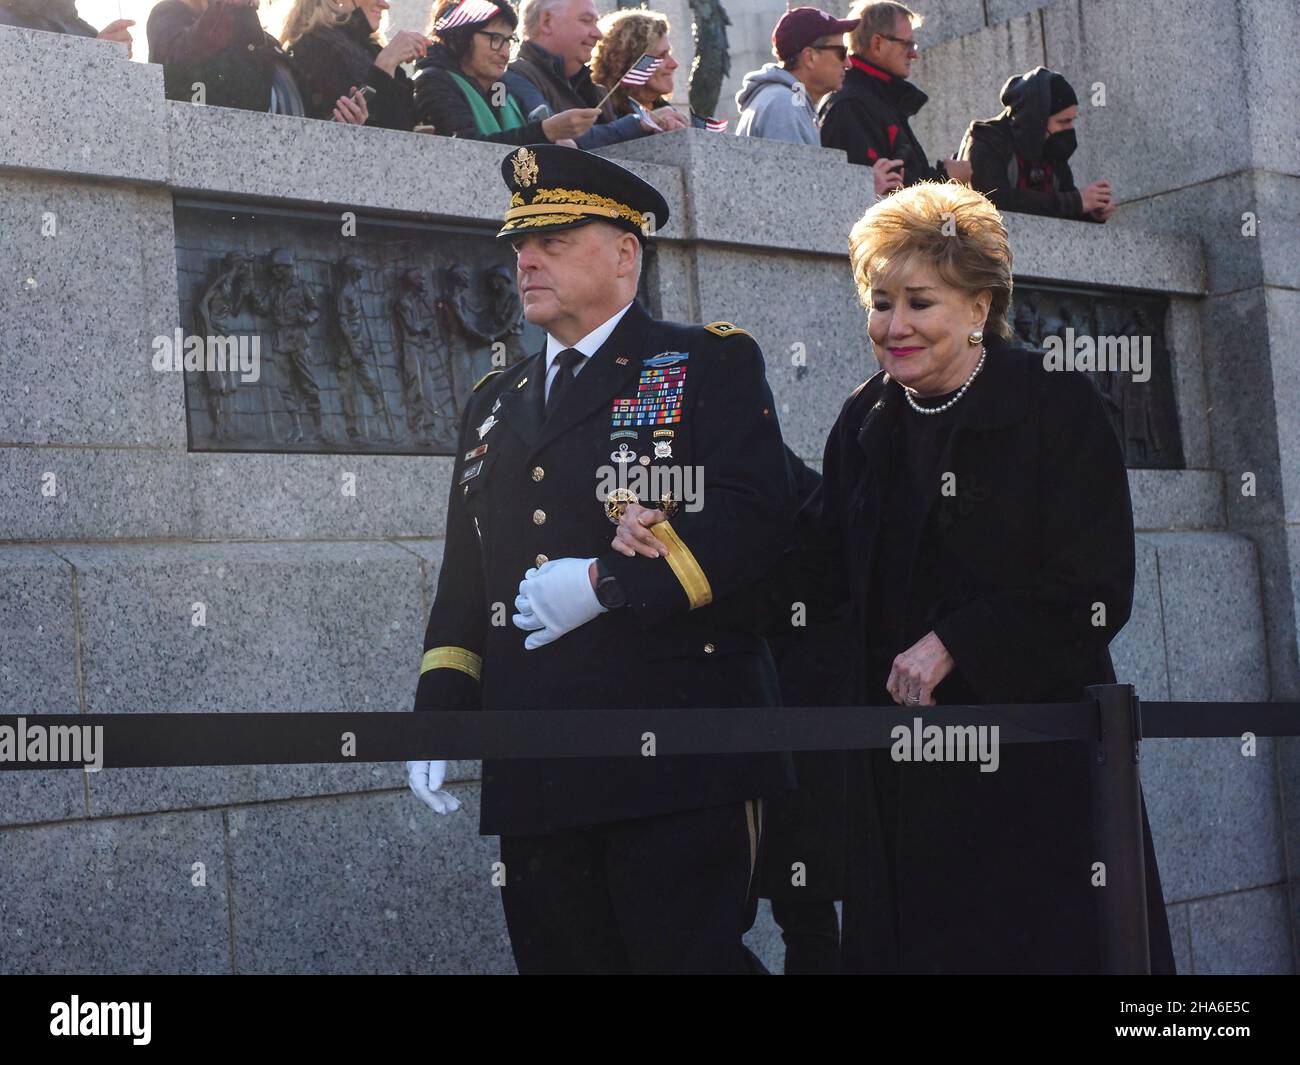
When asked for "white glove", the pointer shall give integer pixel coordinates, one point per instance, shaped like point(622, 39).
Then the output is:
point(555, 599)
point(426, 780)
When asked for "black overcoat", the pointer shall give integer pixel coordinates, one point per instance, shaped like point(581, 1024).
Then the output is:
point(957, 870)
point(536, 490)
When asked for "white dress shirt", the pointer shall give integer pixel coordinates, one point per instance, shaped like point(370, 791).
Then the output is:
point(588, 345)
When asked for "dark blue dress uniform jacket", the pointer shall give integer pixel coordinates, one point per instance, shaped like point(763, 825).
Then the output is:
point(538, 494)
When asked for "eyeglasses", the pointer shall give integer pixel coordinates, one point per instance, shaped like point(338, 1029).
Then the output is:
point(497, 41)
point(908, 42)
point(838, 49)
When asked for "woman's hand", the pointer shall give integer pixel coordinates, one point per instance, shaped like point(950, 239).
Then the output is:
point(669, 119)
point(352, 110)
point(405, 47)
point(918, 671)
point(634, 536)
point(570, 124)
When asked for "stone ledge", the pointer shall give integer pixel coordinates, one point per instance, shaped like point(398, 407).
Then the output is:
point(220, 151)
point(64, 107)
point(1166, 500)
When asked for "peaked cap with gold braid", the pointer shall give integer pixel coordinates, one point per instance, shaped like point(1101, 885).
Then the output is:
point(553, 188)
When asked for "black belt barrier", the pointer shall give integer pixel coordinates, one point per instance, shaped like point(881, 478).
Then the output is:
point(1112, 719)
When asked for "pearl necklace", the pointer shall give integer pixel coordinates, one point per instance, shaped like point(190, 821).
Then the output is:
point(907, 392)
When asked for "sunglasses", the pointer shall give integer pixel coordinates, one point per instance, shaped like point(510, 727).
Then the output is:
point(907, 42)
point(497, 41)
point(839, 49)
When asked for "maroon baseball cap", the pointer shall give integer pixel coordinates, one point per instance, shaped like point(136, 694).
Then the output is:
point(798, 29)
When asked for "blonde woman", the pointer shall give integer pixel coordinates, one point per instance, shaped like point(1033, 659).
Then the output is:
point(974, 512)
point(625, 37)
point(217, 44)
point(345, 69)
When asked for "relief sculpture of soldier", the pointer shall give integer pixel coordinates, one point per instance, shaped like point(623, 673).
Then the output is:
point(504, 317)
point(1142, 442)
point(464, 335)
point(414, 327)
point(293, 309)
point(357, 353)
point(217, 315)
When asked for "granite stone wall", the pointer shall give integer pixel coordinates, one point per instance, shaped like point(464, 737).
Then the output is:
point(110, 531)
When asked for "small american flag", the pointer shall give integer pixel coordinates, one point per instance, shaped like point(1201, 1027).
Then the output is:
point(466, 12)
point(715, 125)
point(642, 70)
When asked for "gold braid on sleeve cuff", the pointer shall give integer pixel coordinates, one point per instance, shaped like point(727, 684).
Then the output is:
point(684, 566)
point(452, 658)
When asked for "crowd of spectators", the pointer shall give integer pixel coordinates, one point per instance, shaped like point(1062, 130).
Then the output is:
point(556, 71)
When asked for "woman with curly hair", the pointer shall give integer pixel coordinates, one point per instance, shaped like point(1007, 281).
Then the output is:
point(625, 37)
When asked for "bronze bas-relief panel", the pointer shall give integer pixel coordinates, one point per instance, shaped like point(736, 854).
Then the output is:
point(367, 343)
point(1143, 413)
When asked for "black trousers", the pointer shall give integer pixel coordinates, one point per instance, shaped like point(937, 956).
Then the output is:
point(671, 893)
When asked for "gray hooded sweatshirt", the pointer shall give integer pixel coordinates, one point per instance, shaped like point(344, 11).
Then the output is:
point(770, 107)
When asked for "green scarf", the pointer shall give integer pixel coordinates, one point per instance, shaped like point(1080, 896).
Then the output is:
point(510, 117)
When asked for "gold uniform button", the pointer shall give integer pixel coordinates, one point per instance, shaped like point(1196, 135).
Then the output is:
point(541, 560)
point(708, 648)
point(539, 517)
point(538, 473)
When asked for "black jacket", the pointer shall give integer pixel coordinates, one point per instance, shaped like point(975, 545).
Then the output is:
point(53, 16)
point(1005, 154)
point(440, 103)
point(955, 870)
point(533, 492)
point(868, 119)
point(328, 61)
point(225, 49)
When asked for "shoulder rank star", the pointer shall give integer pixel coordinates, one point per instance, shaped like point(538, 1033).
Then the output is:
point(486, 427)
point(728, 329)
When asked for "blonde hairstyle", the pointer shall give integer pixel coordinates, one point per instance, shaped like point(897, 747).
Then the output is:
point(307, 15)
point(949, 227)
point(625, 36)
point(877, 17)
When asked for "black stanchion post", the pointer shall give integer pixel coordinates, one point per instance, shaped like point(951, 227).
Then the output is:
point(1117, 830)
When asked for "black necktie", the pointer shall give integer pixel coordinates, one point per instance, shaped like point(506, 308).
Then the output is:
point(568, 359)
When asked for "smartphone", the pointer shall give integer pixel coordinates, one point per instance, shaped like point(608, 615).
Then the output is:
point(365, 91)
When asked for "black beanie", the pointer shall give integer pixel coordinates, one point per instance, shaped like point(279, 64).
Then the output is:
point(1062, 96)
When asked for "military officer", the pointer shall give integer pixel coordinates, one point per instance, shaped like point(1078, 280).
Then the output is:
point(625, 864)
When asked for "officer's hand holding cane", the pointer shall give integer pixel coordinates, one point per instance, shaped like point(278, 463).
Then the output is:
point(634, 536)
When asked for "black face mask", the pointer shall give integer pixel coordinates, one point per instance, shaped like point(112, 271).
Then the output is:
point(1060, 146)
